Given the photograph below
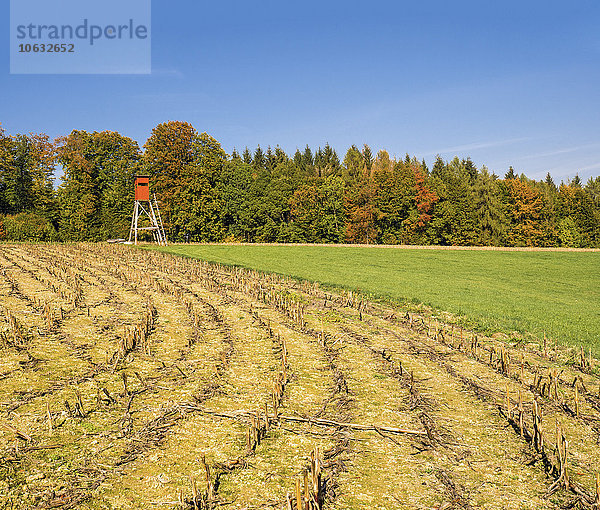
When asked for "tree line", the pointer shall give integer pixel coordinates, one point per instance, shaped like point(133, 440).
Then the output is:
point(268, 196)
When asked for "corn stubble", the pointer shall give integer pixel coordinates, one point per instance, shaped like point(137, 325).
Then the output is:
point(136, 379)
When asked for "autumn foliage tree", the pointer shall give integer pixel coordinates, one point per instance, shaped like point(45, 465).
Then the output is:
point(26, 168)
point(361, 212)
point(197, 209)
point(185, 167)
point(168, 155)
point(424, 198)
point(96, 195)
point(523, 208)
point(26, 193)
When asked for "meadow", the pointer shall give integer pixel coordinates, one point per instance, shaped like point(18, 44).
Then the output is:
point(533, 293)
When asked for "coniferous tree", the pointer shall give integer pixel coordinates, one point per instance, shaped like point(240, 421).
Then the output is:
point(470, 168)
point(439, 168)
point(270, 160)
point(510, 174)
point(280, 156)
point(549, 181)
point(592, 188)
point(319, 162)
point(353, 165)
point(386, 207)
point(382, 165)
point(454, 217)
point(258, 162)
point(549, 194)
point(489, 209)
point(238, 196)
point(574, 203)
point(308, 161)
point(247, 156)
point(317, 212)
point(299, 161)
point(368, 157)
point(329, 162)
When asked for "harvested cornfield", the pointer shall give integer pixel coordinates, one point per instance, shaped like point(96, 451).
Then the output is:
point(133, 379)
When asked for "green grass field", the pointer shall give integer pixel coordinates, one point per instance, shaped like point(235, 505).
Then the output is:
point(524, 291)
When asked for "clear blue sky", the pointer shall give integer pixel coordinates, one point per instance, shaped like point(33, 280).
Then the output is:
point(507, 83)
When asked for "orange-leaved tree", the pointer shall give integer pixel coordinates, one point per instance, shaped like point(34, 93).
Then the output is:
point(524, 210)
point(168, 153)
point(184, 167)
point(425, 198)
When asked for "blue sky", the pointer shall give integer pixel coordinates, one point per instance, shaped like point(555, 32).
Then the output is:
point(506, 83)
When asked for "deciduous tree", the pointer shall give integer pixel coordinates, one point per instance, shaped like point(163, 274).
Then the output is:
point(96, 195)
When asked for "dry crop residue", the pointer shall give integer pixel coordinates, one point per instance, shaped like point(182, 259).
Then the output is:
point(134, 379)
